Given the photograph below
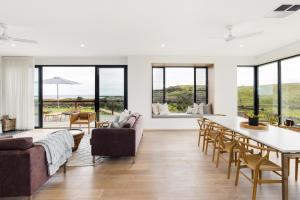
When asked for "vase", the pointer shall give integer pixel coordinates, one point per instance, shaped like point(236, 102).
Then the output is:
point(253, 121)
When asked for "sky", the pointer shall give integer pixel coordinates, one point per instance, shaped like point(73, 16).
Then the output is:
point(111, 81)
point(290, 73)
point(177, 76)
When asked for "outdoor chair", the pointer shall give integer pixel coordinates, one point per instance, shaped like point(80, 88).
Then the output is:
point(82, 118)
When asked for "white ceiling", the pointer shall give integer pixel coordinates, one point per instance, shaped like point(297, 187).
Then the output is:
point(139, 27)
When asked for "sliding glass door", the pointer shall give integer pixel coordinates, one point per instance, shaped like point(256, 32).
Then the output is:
point(63, 90)
point(67, 89)
point(112, 92)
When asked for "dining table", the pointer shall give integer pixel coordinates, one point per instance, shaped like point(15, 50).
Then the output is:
point(285, 141)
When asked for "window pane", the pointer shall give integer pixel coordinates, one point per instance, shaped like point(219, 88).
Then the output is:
point(179, 88)
point(268, 90)
point(111, 81)
point(158, 85)
point(36, 98)
point(66, 90)
point(245, 84)
point(290, 73)
point(201, 85)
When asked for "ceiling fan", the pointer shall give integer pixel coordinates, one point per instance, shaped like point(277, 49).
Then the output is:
point(230, 36)
point(4, 36)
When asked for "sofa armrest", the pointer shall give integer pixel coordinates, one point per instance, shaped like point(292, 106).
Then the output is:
point(22, 172)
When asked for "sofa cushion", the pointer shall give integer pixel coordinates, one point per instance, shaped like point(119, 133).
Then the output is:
point(129, 123)
point(16, 143)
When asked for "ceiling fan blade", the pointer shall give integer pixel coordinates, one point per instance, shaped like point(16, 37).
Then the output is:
point(248, 35)
point(24, 40)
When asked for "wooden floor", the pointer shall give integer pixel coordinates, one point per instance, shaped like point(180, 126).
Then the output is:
point(169, 166)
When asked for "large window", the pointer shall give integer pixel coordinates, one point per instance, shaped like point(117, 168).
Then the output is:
point(63, 90)
point(290, 78)
point(67, 90)
point(245, 84)
point(276, 90)
point(268, 90)
point(180, 87)
point(111, 92)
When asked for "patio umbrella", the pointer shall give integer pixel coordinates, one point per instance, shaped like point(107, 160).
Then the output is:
point(59, 81)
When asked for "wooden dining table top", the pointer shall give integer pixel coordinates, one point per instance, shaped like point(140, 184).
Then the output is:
point(281, 139)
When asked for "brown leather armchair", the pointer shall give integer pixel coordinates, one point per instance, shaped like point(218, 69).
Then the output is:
point(82, 118)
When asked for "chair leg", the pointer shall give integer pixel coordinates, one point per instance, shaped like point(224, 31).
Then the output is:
point(203, 143)
point(94, 159)
point(218, 157)
point(229, 165)
point(214, 151)
point(237, 172)
point(255, 185)
point(296, 168)
point(260, 176)
point(199, 137)
point(206, 146)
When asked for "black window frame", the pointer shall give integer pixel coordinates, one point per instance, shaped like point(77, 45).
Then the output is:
point(97, 86)
point(279, 82)
point(194, 80)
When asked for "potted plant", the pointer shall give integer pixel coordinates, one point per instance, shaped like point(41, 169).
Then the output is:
point(253, 119)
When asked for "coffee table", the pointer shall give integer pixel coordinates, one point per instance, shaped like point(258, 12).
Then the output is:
point(77, 135)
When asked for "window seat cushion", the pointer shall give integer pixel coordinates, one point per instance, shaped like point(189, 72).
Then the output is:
point(177, 115)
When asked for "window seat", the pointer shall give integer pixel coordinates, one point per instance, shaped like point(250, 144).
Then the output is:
point(177, 115)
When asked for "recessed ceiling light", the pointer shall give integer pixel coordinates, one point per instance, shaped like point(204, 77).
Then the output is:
point(162, 45)
point(241, 46)
point(13, 45)
point(82, 45)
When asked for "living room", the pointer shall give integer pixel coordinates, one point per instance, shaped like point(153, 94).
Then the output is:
point(140, 99)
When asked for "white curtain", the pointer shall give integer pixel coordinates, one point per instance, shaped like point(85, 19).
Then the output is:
point(18, 90)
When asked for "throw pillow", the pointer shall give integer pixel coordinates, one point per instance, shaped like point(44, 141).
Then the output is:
point(155, 109)
point(201, 109)
point(129, 123)
point(164, 109)
point(124, 116)
point(189, 110)
point(114, 125)
point(195, 109)
point(208, 109)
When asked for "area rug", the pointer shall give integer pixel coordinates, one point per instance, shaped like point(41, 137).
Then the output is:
point(82, 157)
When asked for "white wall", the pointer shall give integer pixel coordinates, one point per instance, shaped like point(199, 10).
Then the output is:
point(223, 90)
point(222, 82)
point(105, 60)
point(283, 52)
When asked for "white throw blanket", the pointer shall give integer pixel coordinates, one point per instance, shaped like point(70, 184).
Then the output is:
point(58, 147)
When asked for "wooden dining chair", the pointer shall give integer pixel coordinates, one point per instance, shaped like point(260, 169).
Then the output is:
point(257, 163)
point(226, 143)
point(202, 128)
point(211, 137)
